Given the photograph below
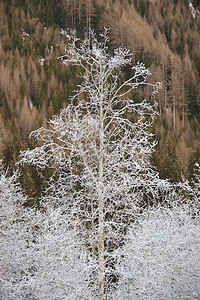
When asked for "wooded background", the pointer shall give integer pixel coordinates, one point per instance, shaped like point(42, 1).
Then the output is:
point(34, 85)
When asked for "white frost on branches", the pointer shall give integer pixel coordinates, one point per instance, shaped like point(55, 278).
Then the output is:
point(41, 257)
point(16, 263)
point(100, 147)
point(192, 189)
point(50, 252)
point(101, 144)
point(161, 257)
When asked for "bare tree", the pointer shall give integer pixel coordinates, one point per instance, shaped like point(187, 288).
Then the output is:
point(100, 145)
point(191, 188)
point(41, 256)
point(16, 264)
point(63, 264)
point(160, 259)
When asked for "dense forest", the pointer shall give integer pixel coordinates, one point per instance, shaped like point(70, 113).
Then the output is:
point(99, 149)
point(164, 35)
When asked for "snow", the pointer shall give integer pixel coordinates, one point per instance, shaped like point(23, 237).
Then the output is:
point(194, 11)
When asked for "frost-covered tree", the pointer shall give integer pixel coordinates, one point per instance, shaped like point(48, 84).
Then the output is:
point(161, 258)
point(63, 267)
point(191, 188)
point(16, 263)
point(41, 257)
point(100, 147)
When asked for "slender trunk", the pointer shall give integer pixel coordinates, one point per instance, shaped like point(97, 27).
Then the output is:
point(129, 292)
point(183, 97)
point(101, 245)
point(164, 88)
point(101, 210)
point(173, 103)
point(92, 224)
point(183, 109)
point(174, 111)
point(88, 19)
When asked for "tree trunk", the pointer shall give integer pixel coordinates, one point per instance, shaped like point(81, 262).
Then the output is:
point(101, 210)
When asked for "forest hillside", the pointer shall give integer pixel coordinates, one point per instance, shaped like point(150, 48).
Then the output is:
point(99, 149)
point(34, 85)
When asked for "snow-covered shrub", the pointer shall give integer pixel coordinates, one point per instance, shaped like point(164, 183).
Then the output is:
point(16, 260)
point(41, 254)
point(161, 259)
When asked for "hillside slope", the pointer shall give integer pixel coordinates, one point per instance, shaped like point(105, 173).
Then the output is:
point(34, 84)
